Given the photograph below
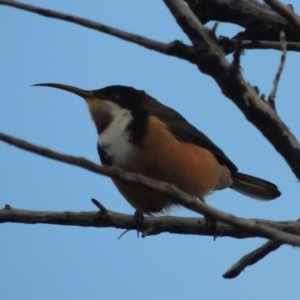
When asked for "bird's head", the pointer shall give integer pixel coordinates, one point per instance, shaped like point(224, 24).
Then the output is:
point(106, 103)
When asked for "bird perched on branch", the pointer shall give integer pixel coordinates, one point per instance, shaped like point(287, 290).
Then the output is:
point(139, 134)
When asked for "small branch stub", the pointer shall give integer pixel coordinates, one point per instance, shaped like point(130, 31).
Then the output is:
point(99, 205)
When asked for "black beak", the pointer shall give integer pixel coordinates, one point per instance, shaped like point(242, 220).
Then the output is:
point(82, 93)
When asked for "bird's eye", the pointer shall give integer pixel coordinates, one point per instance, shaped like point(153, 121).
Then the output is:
point(114, 96)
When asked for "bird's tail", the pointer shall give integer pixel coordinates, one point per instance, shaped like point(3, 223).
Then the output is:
point(254, 187)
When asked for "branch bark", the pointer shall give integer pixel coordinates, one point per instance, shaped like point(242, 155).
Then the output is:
point(259, 20)
point(211, 61)
point(175, 48)
point(153, 225)
point(228, 45)
point(251, 258)
point(286, 12)
point(179, 197)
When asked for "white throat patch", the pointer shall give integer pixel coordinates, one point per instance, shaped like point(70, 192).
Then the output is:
point(114, 140)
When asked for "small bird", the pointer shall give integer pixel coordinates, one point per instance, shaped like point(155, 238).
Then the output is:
point(141, 135)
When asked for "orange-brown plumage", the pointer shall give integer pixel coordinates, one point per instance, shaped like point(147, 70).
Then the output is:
point(161, 156)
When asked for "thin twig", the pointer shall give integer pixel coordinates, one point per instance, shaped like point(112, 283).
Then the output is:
point(271, 98)
point(237, 54)
point(179, 197)
point(174, 49)
point(228, 45)
point(251, 258)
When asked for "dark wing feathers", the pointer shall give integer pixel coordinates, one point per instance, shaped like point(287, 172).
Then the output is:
point(184, 131)
point(248, 185)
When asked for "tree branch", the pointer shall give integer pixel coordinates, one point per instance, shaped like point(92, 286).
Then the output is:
point(286, 12)
point(259, 20)
point(242, 12)
point(271, 98)
point(176, 48)
point(179, 197)
point(153, 225)
point(228, 45)
point(251, 258)
point(211, 61)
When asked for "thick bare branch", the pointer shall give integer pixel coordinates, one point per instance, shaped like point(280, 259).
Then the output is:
point(242, 12)
point(259, 20)
point(188, 22)
point(176, 48)
point(286, 12)
point(153, 225)
point(180, 197)
point(211, 61)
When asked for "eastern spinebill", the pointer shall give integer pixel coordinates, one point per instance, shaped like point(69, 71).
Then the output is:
point(141, 135)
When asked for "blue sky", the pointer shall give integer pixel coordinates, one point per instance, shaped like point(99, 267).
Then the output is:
point(55, 262)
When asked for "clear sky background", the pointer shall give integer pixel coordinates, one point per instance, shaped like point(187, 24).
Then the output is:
point(56, 262)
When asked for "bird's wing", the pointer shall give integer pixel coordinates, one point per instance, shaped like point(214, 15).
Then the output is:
point(186, 132)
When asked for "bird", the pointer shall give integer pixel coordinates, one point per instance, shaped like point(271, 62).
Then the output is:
point(139, 134)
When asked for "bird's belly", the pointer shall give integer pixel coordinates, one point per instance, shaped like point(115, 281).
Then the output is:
point(147, 200)
point(194, 172)
point(161, 156)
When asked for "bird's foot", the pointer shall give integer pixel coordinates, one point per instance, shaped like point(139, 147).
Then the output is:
point(139, 221)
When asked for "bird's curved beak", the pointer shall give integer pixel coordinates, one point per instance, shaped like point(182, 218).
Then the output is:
point(82, 93)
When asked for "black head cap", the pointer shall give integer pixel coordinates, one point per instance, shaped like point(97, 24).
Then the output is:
point(124, 96)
